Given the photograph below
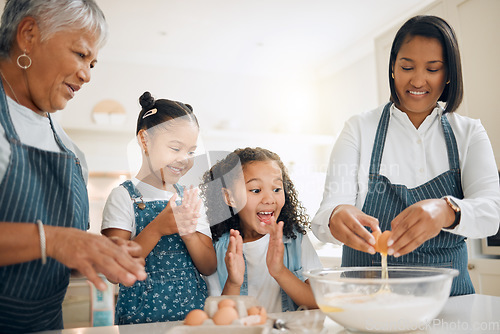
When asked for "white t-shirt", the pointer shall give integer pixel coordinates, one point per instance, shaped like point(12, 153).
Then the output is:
point(412, 157)
point(119, 209)
point(261, 285)
point(34, 130)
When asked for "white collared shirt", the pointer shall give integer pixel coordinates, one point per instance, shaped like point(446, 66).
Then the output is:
point(412, 157)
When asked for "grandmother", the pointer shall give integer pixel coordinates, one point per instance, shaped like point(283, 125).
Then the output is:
point(47, 51)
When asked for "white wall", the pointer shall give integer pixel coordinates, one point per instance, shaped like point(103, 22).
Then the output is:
point(347, 92)
point(297, 117)
point(278, 113)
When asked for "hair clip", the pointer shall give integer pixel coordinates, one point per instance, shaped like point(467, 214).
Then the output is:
point(149, 113)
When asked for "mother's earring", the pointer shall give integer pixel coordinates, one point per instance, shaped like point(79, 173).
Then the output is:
point(26, 58)
point(392, 75)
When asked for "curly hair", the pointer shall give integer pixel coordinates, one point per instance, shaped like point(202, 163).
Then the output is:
point(222, 218)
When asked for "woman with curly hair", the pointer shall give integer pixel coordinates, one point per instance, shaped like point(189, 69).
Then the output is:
point(255, 214)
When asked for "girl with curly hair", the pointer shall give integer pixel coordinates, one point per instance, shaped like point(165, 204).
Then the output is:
point(254, 213)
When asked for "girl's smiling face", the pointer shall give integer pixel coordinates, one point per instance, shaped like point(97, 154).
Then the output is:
point(419, 76)
point(260, 196)
point(171, 150)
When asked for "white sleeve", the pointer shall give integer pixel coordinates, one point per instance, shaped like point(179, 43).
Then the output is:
point(213, 284)
point(4, 153)
point(341, 185)
point(119, 211)
point(203, 225)
point(480, 208)
point(310, 259)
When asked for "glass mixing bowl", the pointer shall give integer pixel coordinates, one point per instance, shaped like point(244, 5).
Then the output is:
point(361, 301)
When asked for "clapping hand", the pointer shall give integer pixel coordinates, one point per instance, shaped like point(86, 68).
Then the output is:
point(182, 218)
point(186, 215)
point(276, 249)
point(235, 264)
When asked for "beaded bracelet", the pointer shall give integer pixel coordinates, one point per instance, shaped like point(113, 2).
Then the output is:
point(41, 231)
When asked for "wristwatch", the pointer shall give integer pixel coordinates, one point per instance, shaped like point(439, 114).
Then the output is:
point(451, 203)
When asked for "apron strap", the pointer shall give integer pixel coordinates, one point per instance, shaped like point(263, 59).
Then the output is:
point(58, 139)
point(135, 193)
point(379, 143)
point(5, 119)
point(451, 143)
point(132, 190)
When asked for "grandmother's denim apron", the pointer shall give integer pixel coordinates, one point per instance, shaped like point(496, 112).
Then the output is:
point(292, 259)
point(385, 201)
point(41, 185)
point(173, 287)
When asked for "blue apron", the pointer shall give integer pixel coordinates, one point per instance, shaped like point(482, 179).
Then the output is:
point(41, 185)
point(173, 287)
point(385, 201)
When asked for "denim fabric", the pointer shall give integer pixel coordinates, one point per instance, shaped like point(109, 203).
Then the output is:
point(41, 185)
point(174, 286)
point(292, 259)
point(385, 201)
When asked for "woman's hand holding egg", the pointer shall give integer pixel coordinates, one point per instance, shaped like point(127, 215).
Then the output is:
point(416, 224)
point(347, 225)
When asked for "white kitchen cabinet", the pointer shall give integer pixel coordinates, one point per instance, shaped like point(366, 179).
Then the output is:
point(76, 304)
point(84, 306)
point(485, 275)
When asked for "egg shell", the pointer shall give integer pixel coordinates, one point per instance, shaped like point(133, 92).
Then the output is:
point(381, 245)
point(226, 303)
point(242, 304)
point(260, 311)
point(195, 318)
point(225, 316)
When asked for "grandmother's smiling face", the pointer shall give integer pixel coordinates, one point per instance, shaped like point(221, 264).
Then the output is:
point(60, 66)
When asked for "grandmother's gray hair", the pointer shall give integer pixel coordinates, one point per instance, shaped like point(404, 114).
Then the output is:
point(52, 16)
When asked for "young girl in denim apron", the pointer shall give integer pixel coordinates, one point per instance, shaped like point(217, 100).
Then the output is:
point(416, 167)
point(259, 230)
point(174, 237)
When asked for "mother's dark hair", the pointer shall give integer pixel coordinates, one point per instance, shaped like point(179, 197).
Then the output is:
point(432, 27)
